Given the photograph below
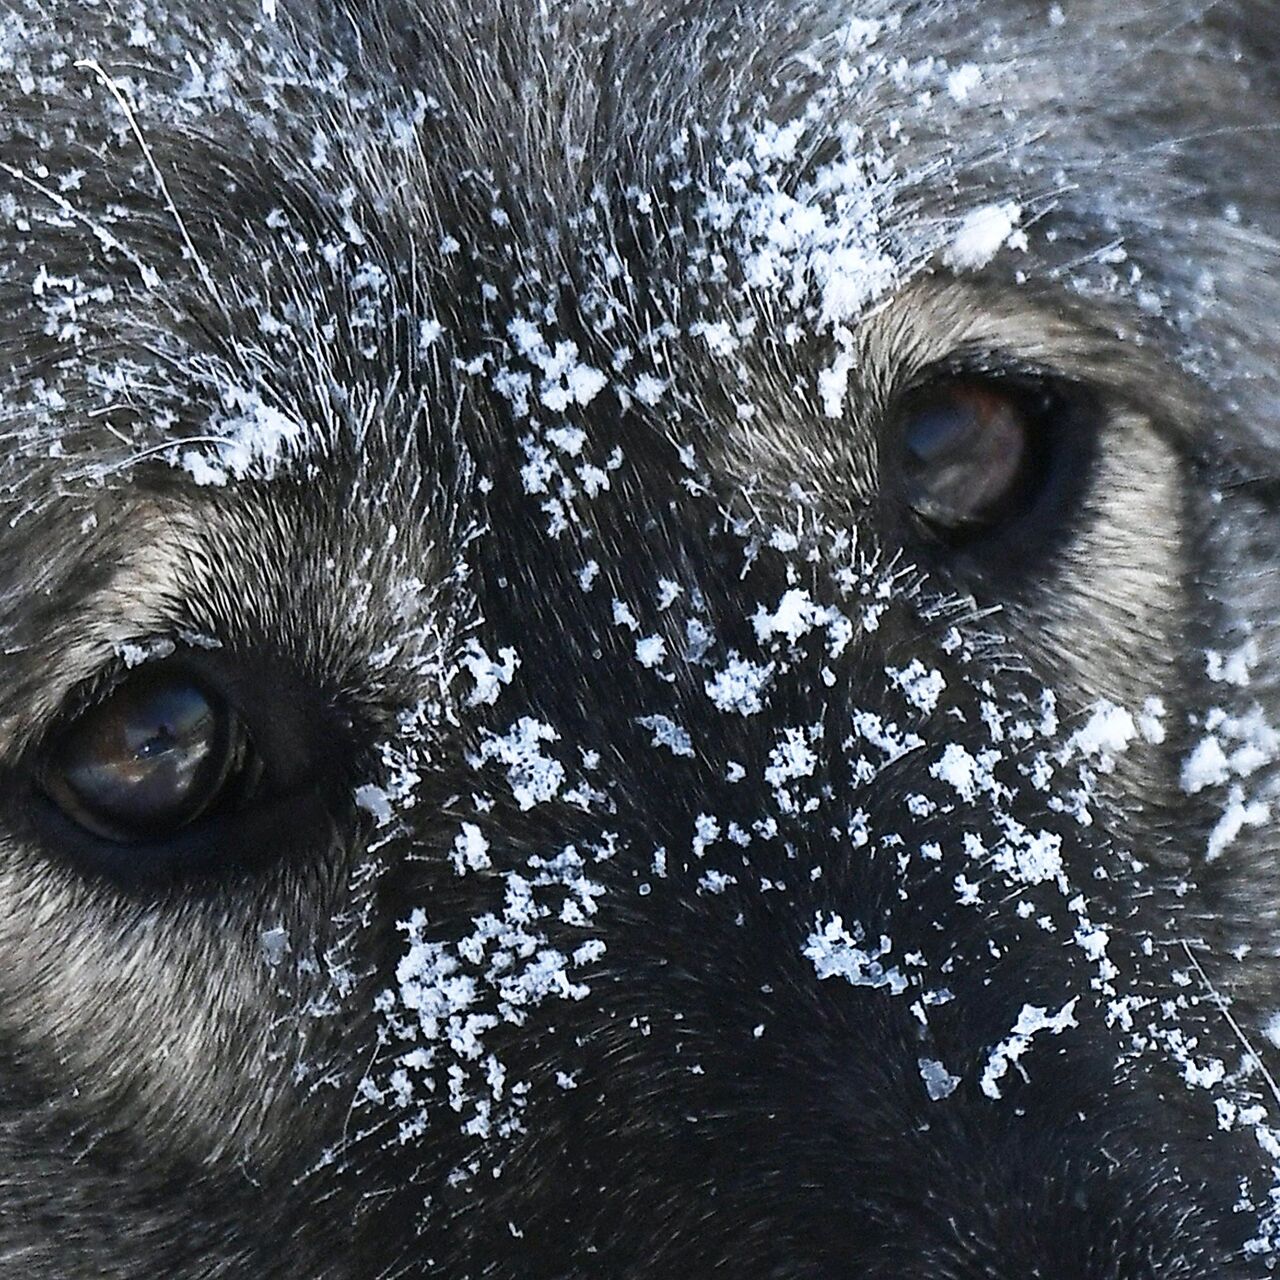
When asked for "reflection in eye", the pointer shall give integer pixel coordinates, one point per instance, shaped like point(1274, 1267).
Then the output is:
point(149, 759)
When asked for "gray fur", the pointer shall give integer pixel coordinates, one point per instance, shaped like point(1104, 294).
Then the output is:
point(200, 1076)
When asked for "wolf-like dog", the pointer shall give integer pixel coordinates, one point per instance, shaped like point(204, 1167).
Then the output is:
point(639, 639)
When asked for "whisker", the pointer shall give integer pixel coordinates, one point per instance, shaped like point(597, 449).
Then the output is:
point(115, 90)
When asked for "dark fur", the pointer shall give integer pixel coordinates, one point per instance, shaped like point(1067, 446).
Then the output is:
point(200, 1069)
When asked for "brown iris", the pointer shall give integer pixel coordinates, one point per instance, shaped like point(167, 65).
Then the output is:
point(149, 759)
point(971, 456)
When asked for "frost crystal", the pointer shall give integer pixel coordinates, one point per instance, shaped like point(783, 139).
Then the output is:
point(938, 1081)
point(836, 953)
point(1032, 1021)
point(982, 234)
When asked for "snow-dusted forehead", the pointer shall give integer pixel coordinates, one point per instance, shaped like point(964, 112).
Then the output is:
point(791, 174)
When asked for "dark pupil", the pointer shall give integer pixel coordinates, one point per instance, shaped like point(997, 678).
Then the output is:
point(149, 759)
point(966, 453)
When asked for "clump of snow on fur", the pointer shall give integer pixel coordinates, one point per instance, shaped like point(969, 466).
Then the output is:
point(489, 676)
point(534, 777)
point(963, 81)
point(666, 733)
point(791, 758)
point(253, 437)
point(153, 649)
point(1206, 766)
point(796, 615)
point(1106, 735)
point(1032, 1021)
point(921, 686)
point(651, 651)
point(1237, 814)
point(470, 850)
point(837, 953)
point(1232, 668)
point(939, 1083)
point(740, 686)
point(982, 234)
point(374, 800)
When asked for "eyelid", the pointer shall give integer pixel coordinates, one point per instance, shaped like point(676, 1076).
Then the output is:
point(988, 363)
point(125, 658)
point(934, 324)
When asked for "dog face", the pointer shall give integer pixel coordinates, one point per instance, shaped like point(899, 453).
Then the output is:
point(637, 641)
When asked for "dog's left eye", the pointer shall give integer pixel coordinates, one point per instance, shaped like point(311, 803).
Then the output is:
point(977, 454)
point(156, 754)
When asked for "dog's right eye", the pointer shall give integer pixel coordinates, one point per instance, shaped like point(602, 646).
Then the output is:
point(159, 752)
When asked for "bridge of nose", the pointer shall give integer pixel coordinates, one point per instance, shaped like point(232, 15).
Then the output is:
point(685, 877)
point(630, 946)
